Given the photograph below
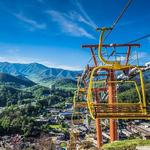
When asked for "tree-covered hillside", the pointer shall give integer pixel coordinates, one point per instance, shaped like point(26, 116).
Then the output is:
point(16, 81)
point(20, 90)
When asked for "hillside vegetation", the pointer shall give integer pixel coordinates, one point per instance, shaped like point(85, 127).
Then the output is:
point(17, 81)
point(14, 90)
point(130, 94)
point(23, 101)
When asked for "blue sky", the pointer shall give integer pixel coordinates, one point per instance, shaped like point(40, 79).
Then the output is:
point(51, 32)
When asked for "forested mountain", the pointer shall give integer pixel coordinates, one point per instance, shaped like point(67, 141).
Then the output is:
point(39, 73)
point(16, 81)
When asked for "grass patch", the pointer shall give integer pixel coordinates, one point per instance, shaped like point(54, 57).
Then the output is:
point(126, 144)
point(57, 126)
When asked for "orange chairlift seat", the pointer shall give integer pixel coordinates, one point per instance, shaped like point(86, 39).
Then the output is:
point(111, 106)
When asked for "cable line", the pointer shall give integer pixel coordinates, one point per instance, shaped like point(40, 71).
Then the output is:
point(116, 21)
point(119, 17)
point(141, 38)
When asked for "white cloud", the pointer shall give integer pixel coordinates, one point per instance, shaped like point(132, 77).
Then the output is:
point(68, 26)
point(34, 24)
point(75, 16)
point(87, 18)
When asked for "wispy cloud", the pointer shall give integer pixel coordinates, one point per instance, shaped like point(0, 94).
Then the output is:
point(85, 18)
point(68, 26)
point(75, 16)
point(34, 24)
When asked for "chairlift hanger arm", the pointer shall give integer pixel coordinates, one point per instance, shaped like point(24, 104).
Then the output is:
point(100, 46)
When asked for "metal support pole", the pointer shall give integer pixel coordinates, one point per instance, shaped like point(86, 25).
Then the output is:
point(93, 56)
point(112, 99)
point(98, 125)
point(128, 55)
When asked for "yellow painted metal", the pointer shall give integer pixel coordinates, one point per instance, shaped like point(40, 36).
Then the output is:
point(143, 90)
point(100, 49)
point(142, 99)
point(115, 66)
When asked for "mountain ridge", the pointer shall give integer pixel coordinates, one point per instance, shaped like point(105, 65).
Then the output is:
point(38, 73)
